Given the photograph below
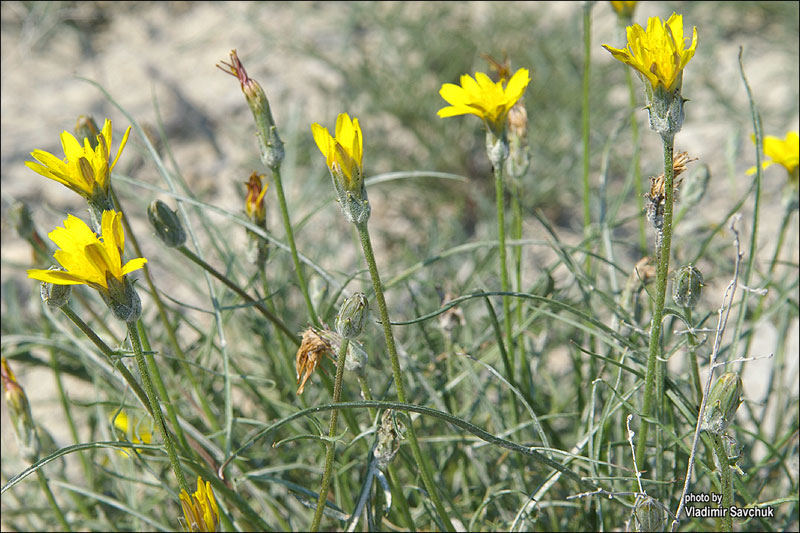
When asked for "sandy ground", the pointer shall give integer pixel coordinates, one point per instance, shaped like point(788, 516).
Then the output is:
point(142, 51)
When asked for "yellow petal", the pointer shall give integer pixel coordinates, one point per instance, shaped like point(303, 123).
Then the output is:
point(57, 277)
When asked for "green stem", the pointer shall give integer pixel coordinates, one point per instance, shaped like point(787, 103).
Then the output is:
point(427, 478)
point(235, 288)
point(168, 327)
point(133, 333)
point(698, 386)
point(326, 474)
point(587, 43)
point(103, 347)
point(50, 498)
point(660, 295)
point(298, 268)
point(726, 481)
point(501, 245)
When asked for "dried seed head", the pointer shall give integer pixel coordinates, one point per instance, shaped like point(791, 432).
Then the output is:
point(312, 349)
point(656, 198)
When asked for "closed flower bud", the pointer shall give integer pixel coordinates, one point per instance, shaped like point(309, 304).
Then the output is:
point(55, 295)
point(687, 286)
point(352, 315)
point(269, 142)
point(723, 401)
point(518, 156)
point(648, 515)
point(167, 224)
point(86, 128)
point(19, 411)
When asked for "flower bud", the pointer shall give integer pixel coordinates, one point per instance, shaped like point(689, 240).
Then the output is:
point(518, 156)
point(269, 141)
point(352, 315)
point(167, 224)
point(497, 147)
point(122, 299)
point(724, 399)
point(687, 286)
point(86, 128)
point(55, 295)
point(648, 515)
point(19, 411)
point(390, 433)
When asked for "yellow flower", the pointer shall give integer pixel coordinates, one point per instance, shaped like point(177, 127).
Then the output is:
point(484, 98)
point(344, 153)
point(132, 428)
point(200, 510)
point(86, 258)
point(84, 169)
point(624, 8)
point(658, 54)
point(254, 200)
point(784, 152)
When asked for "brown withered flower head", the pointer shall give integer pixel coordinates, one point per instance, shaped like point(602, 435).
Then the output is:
point(656, 198)
point(254, 201)
point(312, 349)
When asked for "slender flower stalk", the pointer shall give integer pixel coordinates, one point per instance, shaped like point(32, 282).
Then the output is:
point(659, 55)
point(331, 446)
point(344, 157)
point(272, 154)
point(491, 102)
point(155, 407)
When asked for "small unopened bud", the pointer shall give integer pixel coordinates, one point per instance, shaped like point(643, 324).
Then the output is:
point(648, 515)
point(19, 411)
point(86, 128)
point(122, 299)
point(390, 433)
point(167, 224)
point(269, 141)
point(352, 316)
point(687, 286)
point(518, 156)
point(55, 295)
point(723, 401)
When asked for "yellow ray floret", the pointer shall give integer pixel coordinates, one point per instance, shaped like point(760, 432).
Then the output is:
point(200, 509)
point(86, 258)
point(659, 53)
point(784, 152)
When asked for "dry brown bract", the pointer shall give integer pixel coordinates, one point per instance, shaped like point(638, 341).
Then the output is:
point(657, 195)
point(312, 349)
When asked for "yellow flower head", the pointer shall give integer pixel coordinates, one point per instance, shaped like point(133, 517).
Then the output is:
point(343, 153)
point(86, 258)
point(484, 98)
point(135, 429)
point(658, 54)
point(84, 168)
point(200, 510)
point(784, 152)
point(625, 8)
